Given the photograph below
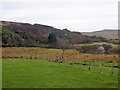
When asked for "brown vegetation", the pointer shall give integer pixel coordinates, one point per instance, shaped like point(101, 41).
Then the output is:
point(54, 54)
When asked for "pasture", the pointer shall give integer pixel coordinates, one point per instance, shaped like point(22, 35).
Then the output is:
point(99, 43)
point(40, 73)
point(37, 68)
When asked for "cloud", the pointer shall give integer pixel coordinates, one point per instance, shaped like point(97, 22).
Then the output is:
point(78, 15)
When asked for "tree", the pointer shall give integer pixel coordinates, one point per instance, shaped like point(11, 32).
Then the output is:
point(64, 44)
point(52, 38)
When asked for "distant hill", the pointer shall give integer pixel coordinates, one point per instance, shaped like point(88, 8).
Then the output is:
point(16, 34)
point(106, 33)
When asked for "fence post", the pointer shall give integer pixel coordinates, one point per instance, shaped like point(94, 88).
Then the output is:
point(112, 68)
point(89, 66)
point(100, 67)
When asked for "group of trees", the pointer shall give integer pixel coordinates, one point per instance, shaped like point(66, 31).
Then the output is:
point(37, 35)
point(27, 35)
point(93, 49)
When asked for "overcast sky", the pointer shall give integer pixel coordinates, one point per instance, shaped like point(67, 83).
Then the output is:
point(75, 15)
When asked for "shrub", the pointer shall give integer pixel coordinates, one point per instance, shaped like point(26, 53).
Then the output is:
point(93, 49)
point(114, 50)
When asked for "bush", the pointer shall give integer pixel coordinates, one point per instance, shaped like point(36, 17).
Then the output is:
point(114, 51)
point(88, 49)
point(93, 49)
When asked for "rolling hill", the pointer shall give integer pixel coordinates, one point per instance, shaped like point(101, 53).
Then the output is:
point(15, 34)
point(106, 33)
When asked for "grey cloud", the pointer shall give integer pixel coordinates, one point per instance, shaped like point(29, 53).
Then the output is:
point(73, 14)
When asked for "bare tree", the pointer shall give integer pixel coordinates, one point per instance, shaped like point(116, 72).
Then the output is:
point(63, 46)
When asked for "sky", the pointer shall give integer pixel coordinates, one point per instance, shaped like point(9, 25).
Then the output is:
point(75, 15)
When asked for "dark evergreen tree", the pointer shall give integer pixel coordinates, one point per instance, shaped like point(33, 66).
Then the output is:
point(52, 38)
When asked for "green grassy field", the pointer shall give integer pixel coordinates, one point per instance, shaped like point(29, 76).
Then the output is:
point(99, 43)
point(37, 73)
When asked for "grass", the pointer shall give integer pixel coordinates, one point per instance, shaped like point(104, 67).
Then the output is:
point(99, 43)
point(37, 73)
point(34, 52)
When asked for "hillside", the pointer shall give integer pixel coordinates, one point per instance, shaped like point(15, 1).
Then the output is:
point(106, 33)
point(16, 34)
